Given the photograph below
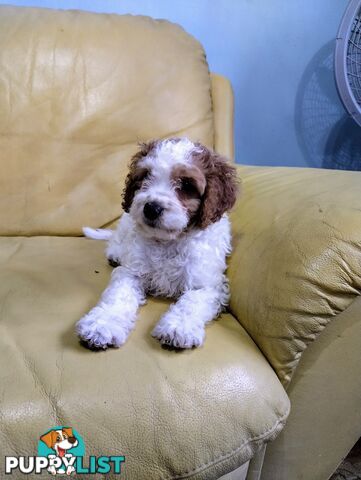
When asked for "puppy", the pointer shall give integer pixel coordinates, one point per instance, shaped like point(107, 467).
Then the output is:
point(172, 241)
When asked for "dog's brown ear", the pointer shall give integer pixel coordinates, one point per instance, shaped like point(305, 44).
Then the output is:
point(222, 186)
point(48, 439)
point(68, 431)
point(135, 175)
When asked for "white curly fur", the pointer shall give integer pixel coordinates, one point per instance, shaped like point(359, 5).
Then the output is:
point(188, 266)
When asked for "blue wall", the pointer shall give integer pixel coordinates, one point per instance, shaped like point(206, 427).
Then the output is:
point(278, 55)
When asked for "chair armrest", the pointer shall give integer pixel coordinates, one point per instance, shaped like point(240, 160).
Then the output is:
point(325, 392)
point(222, 102)
point(296, 261)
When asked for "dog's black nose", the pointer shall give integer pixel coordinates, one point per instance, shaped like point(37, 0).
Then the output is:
point(72, 440)
point(152, 210)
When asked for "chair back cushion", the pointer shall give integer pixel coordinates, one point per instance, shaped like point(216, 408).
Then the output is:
point(78, 90)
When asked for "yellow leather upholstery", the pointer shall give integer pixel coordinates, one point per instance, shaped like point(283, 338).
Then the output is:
point(77, 92)
point(194, 414)
point(325, 393)
point(296, 262)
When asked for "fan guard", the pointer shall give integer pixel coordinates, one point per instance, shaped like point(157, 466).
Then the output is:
point(348, 60)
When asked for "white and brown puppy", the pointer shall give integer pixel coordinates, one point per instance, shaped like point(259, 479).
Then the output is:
point(172, 241)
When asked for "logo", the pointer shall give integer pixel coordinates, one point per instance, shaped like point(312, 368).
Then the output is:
point(61, 451)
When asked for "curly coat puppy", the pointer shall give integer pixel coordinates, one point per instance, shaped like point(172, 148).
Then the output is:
point(172, 241)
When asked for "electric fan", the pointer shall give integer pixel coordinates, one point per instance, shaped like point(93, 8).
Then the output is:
point(348, 60)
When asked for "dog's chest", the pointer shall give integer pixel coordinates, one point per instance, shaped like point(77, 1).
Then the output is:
point(167, 269)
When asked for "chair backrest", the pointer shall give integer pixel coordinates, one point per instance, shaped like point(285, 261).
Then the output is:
point(77, 92)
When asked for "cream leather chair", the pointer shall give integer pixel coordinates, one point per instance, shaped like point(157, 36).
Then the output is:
point(77, 92)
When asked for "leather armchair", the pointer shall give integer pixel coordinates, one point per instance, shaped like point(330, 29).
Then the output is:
point(78, 90)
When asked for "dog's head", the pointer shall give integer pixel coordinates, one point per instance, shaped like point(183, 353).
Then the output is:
point(60, 440)
point(174, 185)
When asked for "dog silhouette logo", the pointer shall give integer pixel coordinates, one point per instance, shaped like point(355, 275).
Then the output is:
point(62, 445)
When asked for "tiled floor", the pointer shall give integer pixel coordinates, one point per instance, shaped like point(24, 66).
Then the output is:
point(350, 468)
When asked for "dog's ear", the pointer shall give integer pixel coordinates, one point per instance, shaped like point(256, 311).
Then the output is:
point(48, 439)
point(68, 431)
point(135, 176)
point(222, 186)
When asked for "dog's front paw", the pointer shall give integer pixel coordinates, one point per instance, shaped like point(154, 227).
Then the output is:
point(178, 334)
point(100, 329)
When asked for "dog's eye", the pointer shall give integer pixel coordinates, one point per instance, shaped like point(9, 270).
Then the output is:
point(141, 175)
point(187, 186)
point(58, 438)
point(145, 174)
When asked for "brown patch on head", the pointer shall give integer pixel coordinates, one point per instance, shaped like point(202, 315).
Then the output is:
point(136, 174)
point(190, 183)
point(221, 188)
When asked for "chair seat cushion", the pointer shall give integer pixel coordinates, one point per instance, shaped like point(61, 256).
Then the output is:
point(190, 414)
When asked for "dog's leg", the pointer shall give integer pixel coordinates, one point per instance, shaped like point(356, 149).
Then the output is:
point(110, 322)
point(183, 325)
